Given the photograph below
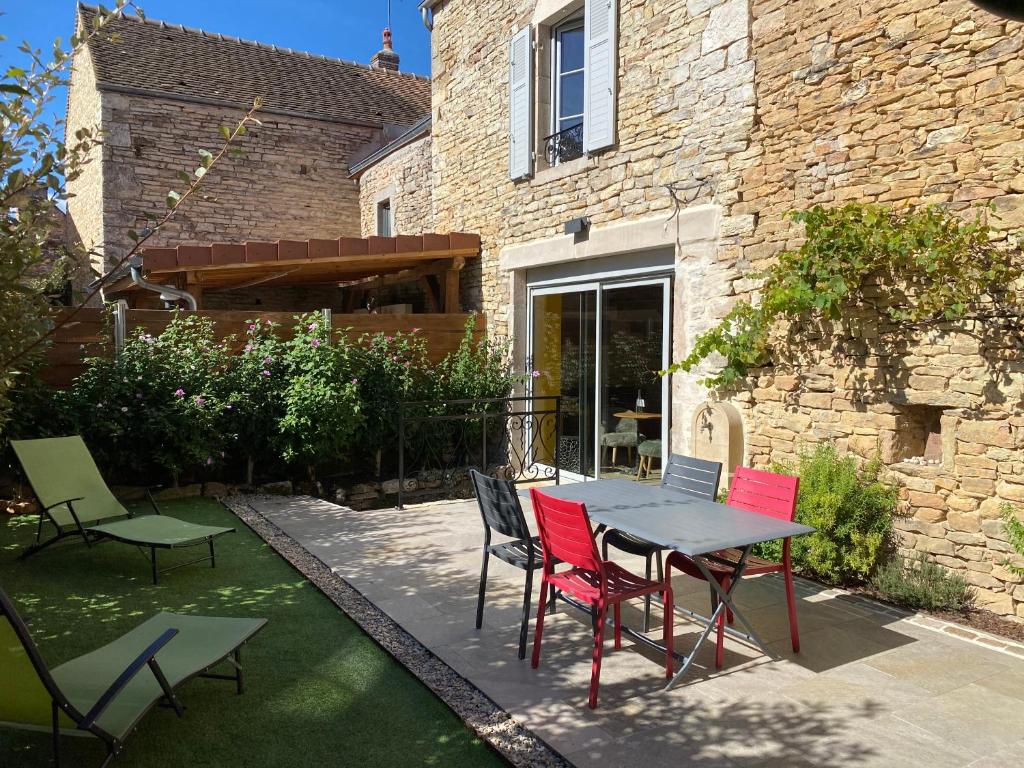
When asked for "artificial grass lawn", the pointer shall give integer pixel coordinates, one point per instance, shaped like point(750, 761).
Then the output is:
point(319, 692)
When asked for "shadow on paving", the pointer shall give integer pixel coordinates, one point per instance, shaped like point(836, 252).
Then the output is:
point(421, 566)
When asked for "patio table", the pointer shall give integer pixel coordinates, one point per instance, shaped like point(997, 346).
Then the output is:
point(687, 524)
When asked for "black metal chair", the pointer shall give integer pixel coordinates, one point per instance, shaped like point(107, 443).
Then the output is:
point(697, 477)
point(502, 512)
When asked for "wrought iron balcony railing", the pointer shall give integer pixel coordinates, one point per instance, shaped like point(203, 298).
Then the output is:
point(565, 145)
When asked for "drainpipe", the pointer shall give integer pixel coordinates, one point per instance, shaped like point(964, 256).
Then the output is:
point(167, 293)
point(428, 18)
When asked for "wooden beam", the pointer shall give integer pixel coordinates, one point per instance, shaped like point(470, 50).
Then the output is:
point(451, 291)
point(428, 289)
point(405, 276)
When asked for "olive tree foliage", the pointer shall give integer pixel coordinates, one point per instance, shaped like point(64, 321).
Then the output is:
point(37, 159)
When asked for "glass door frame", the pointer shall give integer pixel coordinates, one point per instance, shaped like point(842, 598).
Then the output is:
point(560, 290)
point(600, 285)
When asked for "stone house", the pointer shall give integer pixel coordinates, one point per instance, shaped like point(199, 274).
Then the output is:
point(628, 163)
point(160, 92)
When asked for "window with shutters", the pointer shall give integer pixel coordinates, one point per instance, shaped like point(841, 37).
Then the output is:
point(567, 81)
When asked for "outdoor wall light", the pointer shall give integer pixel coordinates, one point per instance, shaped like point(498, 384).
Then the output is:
point(575, 226)
point(1009, 9)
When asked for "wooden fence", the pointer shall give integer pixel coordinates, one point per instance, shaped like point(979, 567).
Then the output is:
point(91, 332)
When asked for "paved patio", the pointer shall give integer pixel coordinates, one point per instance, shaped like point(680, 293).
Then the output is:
point(871, 687)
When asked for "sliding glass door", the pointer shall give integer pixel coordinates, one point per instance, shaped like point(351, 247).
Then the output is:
point(600, 345)
point(562, 362)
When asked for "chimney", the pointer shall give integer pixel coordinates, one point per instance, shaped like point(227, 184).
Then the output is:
point(385, 58)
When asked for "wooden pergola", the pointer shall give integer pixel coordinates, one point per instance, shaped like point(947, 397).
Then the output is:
point(432, 260)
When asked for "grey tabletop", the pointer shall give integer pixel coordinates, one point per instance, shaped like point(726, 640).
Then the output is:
point(672, 518)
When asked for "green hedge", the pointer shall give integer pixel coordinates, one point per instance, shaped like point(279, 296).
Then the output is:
point(181, 406)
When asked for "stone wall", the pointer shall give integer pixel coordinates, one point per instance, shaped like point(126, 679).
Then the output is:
point(685, 112)
point(84, 222)
point(404, 178)
point(293, 182)
point(902, 103)
point(759, 107)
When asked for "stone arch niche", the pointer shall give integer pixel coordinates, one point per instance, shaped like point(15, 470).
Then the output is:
point(718, 436)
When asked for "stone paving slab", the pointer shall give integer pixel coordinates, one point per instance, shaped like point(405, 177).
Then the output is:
point(873, 685)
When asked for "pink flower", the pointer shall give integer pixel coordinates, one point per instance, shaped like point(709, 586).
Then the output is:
point(355, 381)
point(268, 360)
point(315, 342)
point(209, 460)
point(415, 330)
point(388, 338)
point(312, 327)
point(179, 392)
point(266, 373)
point(536, 374)
point(252, 326)
point(248, 348)
point(200, 401)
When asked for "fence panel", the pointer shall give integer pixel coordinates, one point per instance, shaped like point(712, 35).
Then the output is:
point(90, 328)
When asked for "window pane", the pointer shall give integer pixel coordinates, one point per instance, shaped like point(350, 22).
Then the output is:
point(572, 50)
point(570, 95)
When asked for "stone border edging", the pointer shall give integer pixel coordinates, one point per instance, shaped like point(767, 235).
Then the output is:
point(514, 742)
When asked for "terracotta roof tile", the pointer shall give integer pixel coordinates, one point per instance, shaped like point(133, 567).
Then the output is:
point(153, 56)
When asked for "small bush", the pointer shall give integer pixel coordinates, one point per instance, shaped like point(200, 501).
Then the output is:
point(851, 509)
point(1015, 536)
point(919, 583)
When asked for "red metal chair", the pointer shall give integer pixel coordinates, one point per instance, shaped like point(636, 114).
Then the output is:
point(566, 536)
point(765, 493)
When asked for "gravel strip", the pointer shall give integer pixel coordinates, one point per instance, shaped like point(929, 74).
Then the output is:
point(518, 745)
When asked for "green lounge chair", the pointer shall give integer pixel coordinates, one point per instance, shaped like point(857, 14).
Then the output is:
point(107, 692)
point(75, 499)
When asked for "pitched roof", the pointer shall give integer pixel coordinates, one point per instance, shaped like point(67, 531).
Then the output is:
point(148, 56)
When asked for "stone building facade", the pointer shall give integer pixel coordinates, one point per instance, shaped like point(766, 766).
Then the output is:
point(728, 114)
point(401, 178)
point(160, 92)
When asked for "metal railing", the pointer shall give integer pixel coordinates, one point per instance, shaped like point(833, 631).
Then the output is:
point(516, 438)
point(565, 145)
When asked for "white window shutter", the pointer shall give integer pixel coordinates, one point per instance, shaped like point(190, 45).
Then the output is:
point(520, 103)
point(600, 73)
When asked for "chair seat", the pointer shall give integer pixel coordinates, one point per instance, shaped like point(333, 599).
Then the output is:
point(517, 553)
point(650, 448)
point(723, 563)
point(201, 643)
point(627, 542)
point(586, 585)
point(159, 531)
point(619, 440)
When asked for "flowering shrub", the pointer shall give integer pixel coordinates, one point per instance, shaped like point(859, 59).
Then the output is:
point(321, 409)
point(158, 407)
point(183, 405)
point(393, 368)
point(477, 369)
point(255, 383)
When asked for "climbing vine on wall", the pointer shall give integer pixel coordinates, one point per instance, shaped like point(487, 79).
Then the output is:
point(916, 267)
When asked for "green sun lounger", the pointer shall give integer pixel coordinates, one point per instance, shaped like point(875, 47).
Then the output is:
point(108, 691)
point(74, 498)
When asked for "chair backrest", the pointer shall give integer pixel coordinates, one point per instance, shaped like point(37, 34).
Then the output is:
point(565, 532)
point(627, 426)
point(28, 691)
point(499, 505)
point(765, 493)
point(698, 477)
point(61, 468)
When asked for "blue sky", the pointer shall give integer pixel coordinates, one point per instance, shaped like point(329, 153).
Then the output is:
point(346, 29)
